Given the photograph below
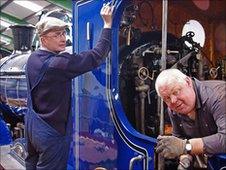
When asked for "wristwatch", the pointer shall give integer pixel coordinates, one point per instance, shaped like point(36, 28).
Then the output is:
point(188, 147)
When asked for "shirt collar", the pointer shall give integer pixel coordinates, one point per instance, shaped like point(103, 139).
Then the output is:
point(45, 49)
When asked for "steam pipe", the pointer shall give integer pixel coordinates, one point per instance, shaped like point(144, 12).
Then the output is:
point(163, 57)
point(163, 67)
point(142, 89)
point(142, 96)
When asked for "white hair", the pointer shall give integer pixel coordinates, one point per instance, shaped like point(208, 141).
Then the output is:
point(169, 77)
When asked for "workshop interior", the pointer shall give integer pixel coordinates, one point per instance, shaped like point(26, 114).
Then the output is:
point(117, 114)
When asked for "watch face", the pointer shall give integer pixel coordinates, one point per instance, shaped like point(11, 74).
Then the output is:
point(188, 147)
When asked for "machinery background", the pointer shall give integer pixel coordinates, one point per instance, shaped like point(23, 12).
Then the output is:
point(140, 63)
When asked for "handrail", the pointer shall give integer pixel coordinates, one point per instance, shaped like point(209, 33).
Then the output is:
point(133, 160)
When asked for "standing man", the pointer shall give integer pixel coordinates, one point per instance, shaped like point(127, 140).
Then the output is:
point(197, 110)
point(49, 75)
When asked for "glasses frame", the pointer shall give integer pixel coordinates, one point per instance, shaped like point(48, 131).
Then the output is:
point(58, 34)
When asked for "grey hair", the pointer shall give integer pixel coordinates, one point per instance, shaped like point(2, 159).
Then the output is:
point(169, 77)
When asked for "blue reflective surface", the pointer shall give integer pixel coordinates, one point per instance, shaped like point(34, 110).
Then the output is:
point(103, 135)
point(5, 134)
point(217, 162)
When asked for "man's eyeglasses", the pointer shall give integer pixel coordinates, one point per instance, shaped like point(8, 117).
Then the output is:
point(57, 34)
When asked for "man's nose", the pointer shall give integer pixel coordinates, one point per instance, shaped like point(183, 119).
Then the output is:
point(173, 99)
point(63, 38)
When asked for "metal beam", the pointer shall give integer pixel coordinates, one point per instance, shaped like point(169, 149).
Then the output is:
point(5, 49)
point(11, 18)
point(33, 14)
point(5, 4)
point(66, 4)
point(4, 39)
point(6, 36)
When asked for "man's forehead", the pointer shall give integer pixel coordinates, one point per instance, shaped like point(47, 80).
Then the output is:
point(55, 31)
point(169, 88)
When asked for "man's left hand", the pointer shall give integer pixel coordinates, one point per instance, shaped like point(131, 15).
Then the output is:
point(106, 13)
point(170, 146)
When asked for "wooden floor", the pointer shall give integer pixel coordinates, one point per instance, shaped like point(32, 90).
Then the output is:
point(7, 162)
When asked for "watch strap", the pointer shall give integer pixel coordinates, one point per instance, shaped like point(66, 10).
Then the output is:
point(187, 151)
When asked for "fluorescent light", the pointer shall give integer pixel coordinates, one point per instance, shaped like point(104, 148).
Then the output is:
point(29, 5)
point(4, 23)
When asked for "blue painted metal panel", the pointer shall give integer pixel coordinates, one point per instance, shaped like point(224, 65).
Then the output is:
point(104, 136)
point(5, 134)
point(217, 162)
point(95, 145)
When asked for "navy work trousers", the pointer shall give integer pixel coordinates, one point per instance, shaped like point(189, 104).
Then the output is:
point(47, 148)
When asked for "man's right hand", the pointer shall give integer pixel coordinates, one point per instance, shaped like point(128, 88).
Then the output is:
point(170, 146)
point(106, 13)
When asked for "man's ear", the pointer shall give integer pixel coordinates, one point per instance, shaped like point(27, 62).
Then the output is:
point(188, 81)
point(42, 39)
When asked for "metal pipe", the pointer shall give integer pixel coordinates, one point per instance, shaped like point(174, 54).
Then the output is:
point(12, 73)
point(164, 33)
point(142, 110)
point(163, 57)
point(161, 161)
point(137, 113)
point(132, 161)
point(143, 89)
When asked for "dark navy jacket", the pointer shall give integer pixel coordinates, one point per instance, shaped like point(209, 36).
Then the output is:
point(51, 98)
point(210, 122)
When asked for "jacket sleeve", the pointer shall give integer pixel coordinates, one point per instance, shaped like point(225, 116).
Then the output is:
point(216, 143)
point(75, 64)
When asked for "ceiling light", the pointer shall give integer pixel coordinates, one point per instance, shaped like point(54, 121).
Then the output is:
point(29, 5)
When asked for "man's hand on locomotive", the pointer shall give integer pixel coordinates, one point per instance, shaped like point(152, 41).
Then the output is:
point(170, 146)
